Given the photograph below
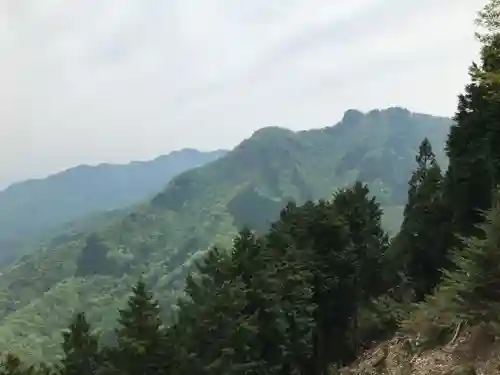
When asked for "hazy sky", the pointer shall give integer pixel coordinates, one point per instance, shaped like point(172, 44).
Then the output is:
point(88, 81)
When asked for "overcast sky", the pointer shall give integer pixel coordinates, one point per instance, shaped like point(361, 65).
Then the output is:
point(90, 81)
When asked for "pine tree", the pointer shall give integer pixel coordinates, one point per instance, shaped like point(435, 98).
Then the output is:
point(293, 286)
point(227, 310)
point(426, 165)
point(80, 346)
point(141, 336)
point(363, 257)
point(247, 259)
point(368, 241)
point(214, 332)
point(265, 273)
point(230, 344)
point(317, 230)
point(419, 250)
point(475, 286)
point(472, 145)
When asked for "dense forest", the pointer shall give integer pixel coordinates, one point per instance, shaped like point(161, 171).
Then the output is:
point(92, 264)
point(325, 282)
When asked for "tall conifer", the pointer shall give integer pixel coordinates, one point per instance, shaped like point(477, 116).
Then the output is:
point(140, 335)
point(80, 346)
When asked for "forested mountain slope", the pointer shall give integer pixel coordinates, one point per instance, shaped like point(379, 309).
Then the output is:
point(31, 208)
point(202, 207)
point(322, 291)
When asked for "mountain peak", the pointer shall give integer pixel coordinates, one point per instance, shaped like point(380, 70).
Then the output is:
point(265, 137)
point(271, 131)
point(392, 111)
point(352, 116)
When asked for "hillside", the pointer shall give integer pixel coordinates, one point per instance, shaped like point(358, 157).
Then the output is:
point(31, 208)
point(205, 206)
point(469, 353)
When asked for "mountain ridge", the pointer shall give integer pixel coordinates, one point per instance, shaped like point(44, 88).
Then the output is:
point(33, 207)
point(84, 166)
point(160, 238)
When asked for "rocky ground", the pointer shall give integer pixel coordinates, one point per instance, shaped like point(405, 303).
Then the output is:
point(472, 351)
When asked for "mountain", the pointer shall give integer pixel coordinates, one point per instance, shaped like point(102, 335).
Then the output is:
point(34, 207)
point(201, 207)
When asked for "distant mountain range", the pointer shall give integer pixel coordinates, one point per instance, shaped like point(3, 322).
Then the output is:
point(31, 208)
point(160, 238)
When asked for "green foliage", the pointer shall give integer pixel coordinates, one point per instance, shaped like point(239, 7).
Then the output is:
point(139, 336)
point(368, 241)
point(274, 304)
point(346, 246)
point(93, 258)
point(305, 295)
point(12, 365)
point(474, 286)
point(81, 355)
point(286, 302)
point(472, 145)
point(469, 289)
point(252, 209)
point(31, 208)
point(419, 251)
point(489, 19)
point(162, 242)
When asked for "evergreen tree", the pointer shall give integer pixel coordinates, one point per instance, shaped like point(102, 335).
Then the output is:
point(426, 165)
point(362, 216)
point(472, 145)
point(206, 278)
point(81, 356)
point(363, 258)
point(474, 287)
point(489, 19)
point(279, 303)
point(214, 331)
point(419, 250)
point(249, 266)
point(140, 336)
point(293, 286)
point(231, 301)
point(226, 320)
point(317, 229)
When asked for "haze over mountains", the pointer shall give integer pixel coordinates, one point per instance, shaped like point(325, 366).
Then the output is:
point(31, 208)
point(126, 80)
point(160, 238)
point(369, 246)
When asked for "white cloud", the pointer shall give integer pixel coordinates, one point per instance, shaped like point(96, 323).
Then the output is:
point(86, 81)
